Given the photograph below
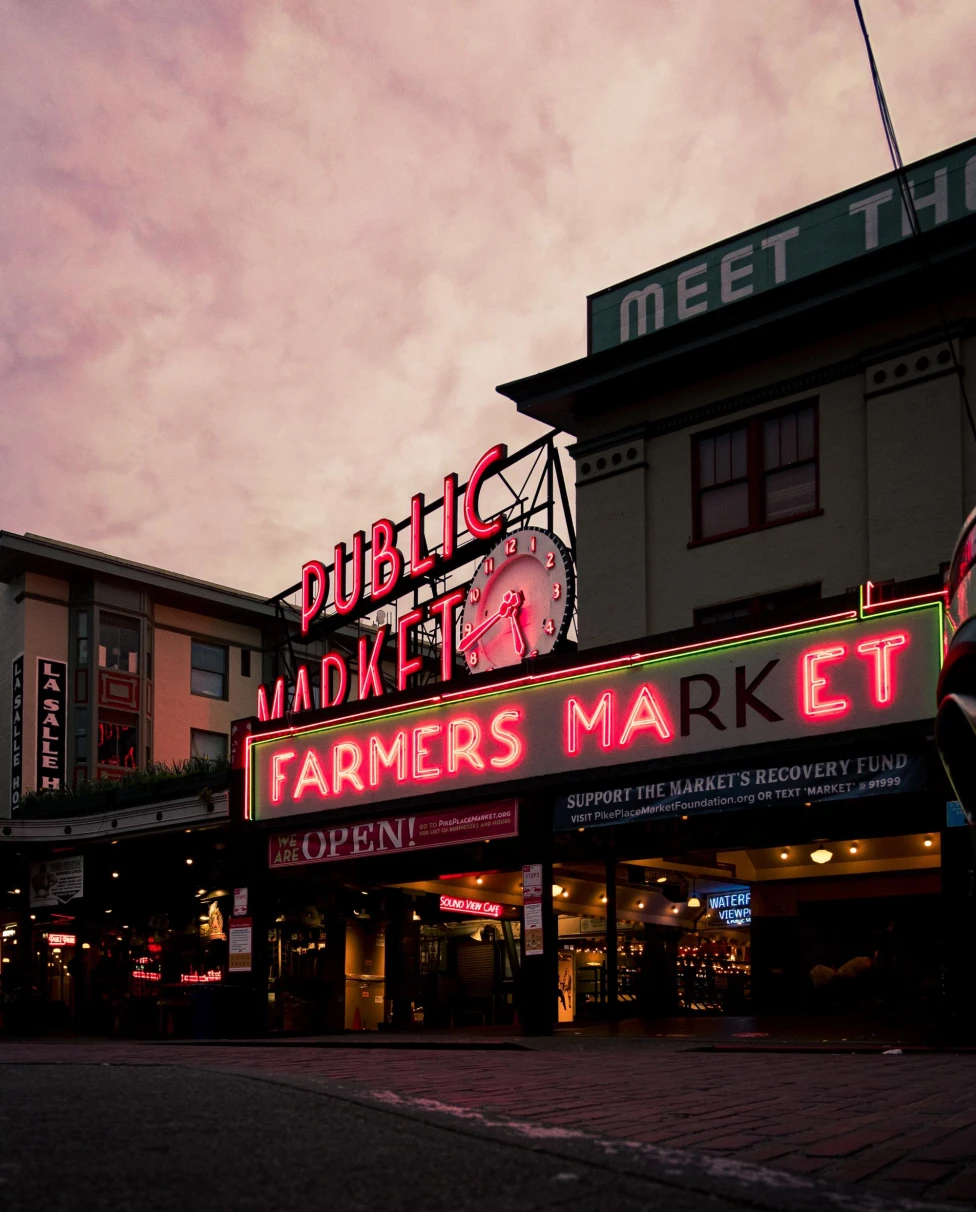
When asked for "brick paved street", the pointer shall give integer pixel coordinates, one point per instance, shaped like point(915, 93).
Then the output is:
point(900, 1124)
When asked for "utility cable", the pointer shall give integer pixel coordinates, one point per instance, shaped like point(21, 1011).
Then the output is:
point(908, 205)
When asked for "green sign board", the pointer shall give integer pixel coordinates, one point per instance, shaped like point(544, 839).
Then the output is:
point(829, 233)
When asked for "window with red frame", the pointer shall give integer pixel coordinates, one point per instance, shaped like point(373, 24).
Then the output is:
point(756, 474)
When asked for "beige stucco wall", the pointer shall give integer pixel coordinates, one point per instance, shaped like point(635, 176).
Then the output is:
point(897, 478)
point(176, 711)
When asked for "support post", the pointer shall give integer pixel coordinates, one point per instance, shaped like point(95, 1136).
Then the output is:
point(612, 983)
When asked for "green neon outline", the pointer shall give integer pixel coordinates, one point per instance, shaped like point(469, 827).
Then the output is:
point(664, 658)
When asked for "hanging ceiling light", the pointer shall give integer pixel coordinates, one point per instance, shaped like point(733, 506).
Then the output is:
point(822, 854)
point(557, 890)
point(693, 901)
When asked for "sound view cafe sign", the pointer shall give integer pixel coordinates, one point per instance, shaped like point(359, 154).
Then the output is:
point(852, 670)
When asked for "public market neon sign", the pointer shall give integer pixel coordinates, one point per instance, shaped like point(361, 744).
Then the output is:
point(856, 669)
point(391, 575)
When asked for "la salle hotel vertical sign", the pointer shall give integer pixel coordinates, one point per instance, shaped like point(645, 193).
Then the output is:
point(52, 709)
point(17, 733)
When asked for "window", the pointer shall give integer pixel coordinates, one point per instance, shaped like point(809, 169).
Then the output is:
point(208, 670)
point(210, 745)
point(752, 611)
point(118, 736)
point(756, 474)
point(81, 637)
point(118, 642)
point(81, 734)
point(245, 662)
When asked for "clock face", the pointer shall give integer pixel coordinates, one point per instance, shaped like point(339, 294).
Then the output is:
point(519, 602)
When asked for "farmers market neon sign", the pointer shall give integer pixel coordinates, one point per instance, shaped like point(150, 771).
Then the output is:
point(855, 669)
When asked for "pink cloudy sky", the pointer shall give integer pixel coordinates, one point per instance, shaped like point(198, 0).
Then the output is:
point(264, 261)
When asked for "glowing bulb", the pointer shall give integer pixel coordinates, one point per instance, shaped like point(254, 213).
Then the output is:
point(189, 862)
point(674, 908)
point(640, 904)
point(603, 899)
point(784, 854)
point(662, 879)
point(565, 892)
point(927, 842)
point(557, 890)
point(115, 875)
point(853, 847)
point(694, 902)
point(479, 880)
point(822, 855)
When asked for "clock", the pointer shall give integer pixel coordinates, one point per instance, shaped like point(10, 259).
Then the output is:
point(519, 602)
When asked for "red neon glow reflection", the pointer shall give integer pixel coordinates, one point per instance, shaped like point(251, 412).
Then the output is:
point(880, 651)
point(460, 904)
point(814, 706)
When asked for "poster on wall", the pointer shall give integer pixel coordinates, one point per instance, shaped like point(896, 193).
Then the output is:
point(52, 710)
point(57, 881)
point(239, 945)
point(532, 901)
point(16, 733)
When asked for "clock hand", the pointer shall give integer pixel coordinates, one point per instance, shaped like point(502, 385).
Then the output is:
point(518, 639)
point(508, 609)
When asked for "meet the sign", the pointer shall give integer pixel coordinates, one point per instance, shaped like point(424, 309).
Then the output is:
point(52, 712)
point(839, 229)
point(394, 834)
point(17, 733)
point(806, 778)
point(828, 676)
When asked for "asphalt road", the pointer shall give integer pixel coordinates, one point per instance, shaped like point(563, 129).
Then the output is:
point(145, 1138)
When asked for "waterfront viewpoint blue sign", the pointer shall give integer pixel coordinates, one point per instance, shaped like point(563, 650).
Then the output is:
point(839, 229)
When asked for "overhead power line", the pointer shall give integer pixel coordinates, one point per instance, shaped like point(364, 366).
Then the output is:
point(908, 204)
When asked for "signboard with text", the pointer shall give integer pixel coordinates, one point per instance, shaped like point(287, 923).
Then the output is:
point(17, 733)
point(733, 908)
point(52, 712)
point(394, 834)
point(829, 233)
point(57, 881)
point(809, 778)
point(829, 676)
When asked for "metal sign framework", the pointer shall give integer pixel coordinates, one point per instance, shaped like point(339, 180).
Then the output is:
point(534, 493)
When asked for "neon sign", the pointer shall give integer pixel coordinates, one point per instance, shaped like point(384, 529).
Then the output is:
point(460, 904)
point(390, 576)
point(838, 673)
point(61, 940)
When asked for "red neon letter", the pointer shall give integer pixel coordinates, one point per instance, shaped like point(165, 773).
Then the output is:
point(346, 772)
point(277, 703)
point(813, 705)
point(576, 717)
point(407, 665)
point(420, 751)
point(509, 739)
point(468, 752)
point(449, 519)
point(347, 603)
point(278, 775)
point(445, 608)
point(645, 713)
point(385, 551)
point(336, 661)
point(370, 681)
point(419, 563)
point(881, 651)
point(311, 776)
point(302, 700)
point(477, 528)
point(378, 756)
point(312, 603)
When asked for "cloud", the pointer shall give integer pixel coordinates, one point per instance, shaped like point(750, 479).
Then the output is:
point(262, 265)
